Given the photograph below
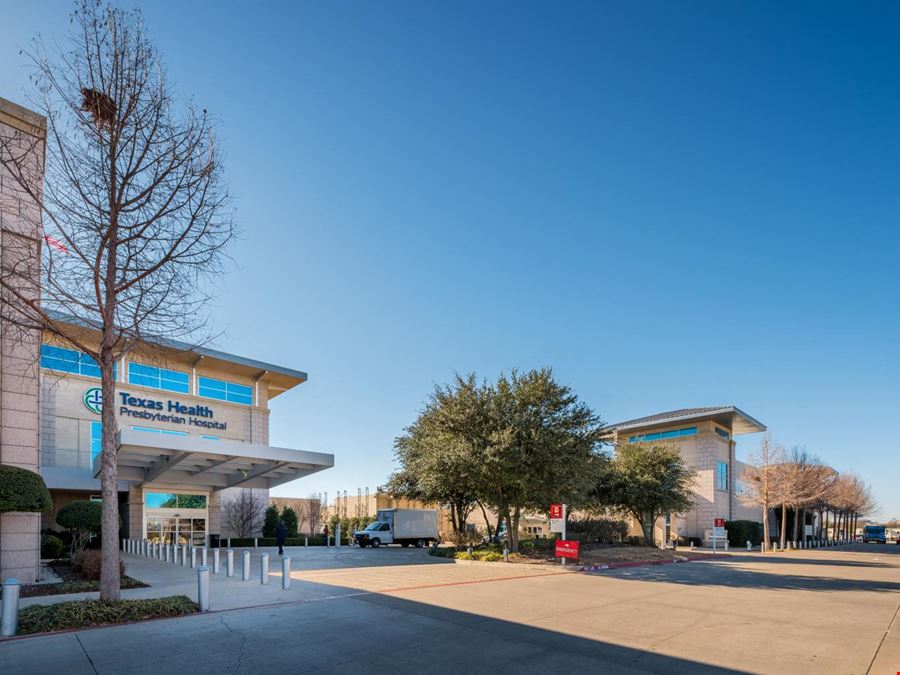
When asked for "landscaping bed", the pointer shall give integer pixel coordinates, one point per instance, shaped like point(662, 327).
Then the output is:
point(589, 555)
point(86, 613)
point(72, 582)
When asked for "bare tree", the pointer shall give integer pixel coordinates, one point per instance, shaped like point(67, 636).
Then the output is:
point(313, 513)
point(134, 207)
point(243, 515)
point(764, 485)
point(805, 480)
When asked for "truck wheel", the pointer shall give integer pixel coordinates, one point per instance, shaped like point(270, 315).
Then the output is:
point(376, 542)
point(404, 544)
point(362, 544)
point(420, 543)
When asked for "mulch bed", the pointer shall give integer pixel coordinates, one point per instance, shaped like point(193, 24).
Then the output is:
point(72, 582)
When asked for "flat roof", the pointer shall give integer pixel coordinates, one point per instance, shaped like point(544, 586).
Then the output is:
point(279, 378)
point(728, 415)
point(188, 461)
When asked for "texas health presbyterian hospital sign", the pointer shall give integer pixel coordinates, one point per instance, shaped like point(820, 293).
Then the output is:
point(153, 410)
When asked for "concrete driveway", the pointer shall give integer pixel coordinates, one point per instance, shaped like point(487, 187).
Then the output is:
point(400, 611)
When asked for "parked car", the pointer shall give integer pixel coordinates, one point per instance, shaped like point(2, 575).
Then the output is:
point(417, 527)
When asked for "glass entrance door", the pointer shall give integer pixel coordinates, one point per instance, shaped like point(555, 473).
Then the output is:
point(175, 518)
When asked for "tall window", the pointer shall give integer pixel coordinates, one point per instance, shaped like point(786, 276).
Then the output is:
point(722, 476)
point(225, 391)
point(96, 439)
point(65, 360)
point(158, 378)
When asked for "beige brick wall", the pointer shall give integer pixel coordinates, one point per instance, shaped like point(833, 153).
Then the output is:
point(20, 237)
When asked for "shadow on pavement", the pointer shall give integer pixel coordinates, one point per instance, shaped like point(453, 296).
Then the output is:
point(370, 633)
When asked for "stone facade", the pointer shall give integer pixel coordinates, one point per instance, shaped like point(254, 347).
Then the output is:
point(23, 133)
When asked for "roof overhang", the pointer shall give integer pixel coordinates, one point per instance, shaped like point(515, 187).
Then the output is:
point(188, 461)
point(731, 417)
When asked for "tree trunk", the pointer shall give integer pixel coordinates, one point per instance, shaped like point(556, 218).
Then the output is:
point(796, 524)
point(765, 519)
point(486, 521)
point(109, 530)
point(514, 533)
point(646, 521)
point(783, 524)
point(509, 537)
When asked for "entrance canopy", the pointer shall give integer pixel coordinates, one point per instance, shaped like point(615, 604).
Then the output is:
point(189, 461)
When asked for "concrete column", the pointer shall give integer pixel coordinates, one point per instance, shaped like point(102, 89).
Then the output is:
point(203, 588)
point(215, 561)
point(264, 568)
point(203, 557)
point(229, 563)
point(245, 571)
point(193, 557)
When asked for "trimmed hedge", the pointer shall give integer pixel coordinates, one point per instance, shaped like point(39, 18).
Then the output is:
point(81, 516)
point(84, 613)
point(52, 546)
point(741, 531)
point(22, 490)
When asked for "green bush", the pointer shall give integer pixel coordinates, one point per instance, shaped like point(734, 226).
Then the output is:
point(247, 542)
point(741, 531)
point(22, 490)
point(635, 541)
point(83, 613)
point(597, 530)
point(82, 520)
point(52, 546)
point(485, 555)
point(270, 522)
point(289, 518)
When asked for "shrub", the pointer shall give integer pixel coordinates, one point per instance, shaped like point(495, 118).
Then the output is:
point(22, 490)
point(467, 538)
point(270, 522)
point(741, 531)
point(82, 613)
point(52, 546)
point(687, 541)
point(485, 555)
point(635, 541)
point(82, 520)
point(89, 562)
point(289, 518)
point(597, 530)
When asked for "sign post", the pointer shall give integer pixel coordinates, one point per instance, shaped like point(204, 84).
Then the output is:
point(558, 524)
point(718, 531)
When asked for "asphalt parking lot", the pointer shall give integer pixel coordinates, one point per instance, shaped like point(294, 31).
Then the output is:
point(395, 610)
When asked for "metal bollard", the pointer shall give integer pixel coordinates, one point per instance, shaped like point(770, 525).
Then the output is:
point(305, 542)
point(506, 555)
point(692, 546)
point(215, 561)
point(286, 572)
point(9, 615)
point(165, 553)
point(337, 535)
point(229, 543)
point(193, 557)
point(203, 557)
point(124, 545)
point(175, 553)
point(749, 545)
point(264, 568)
point(184, 555)
point(255, 542)
point(245, 572)
point(469, 551)
point(726, 545)
point(203, 588)
point(229, 563)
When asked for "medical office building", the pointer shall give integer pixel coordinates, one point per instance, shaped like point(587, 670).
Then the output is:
point(193, 422)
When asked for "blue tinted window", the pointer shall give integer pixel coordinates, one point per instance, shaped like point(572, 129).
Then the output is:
point(158, 378)
point(161, 431)
point(723, 433)
point(661, 435)
point(65, 360)
point(225, 391)
point(96, 439)
point(209, 438)
point(722, 476)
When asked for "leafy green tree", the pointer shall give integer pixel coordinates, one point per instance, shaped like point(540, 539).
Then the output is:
point(647, 481)
point(289, 517)
point(545, 447)
point(439, 452)
point(270, 521)
point(83, 520)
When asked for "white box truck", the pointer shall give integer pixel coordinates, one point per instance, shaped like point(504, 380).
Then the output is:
point(418, 527)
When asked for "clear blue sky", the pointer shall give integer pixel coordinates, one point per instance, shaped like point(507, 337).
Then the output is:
point(672, 205)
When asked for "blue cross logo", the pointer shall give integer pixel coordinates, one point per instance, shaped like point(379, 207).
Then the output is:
point(93, 400)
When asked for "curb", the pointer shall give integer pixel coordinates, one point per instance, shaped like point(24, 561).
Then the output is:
point(645, 563)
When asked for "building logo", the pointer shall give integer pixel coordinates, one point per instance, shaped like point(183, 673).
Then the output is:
point(93, 400)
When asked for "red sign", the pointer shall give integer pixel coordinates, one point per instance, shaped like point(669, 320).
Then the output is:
point(567, 548)
point(556, 511)
point(720, 522)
